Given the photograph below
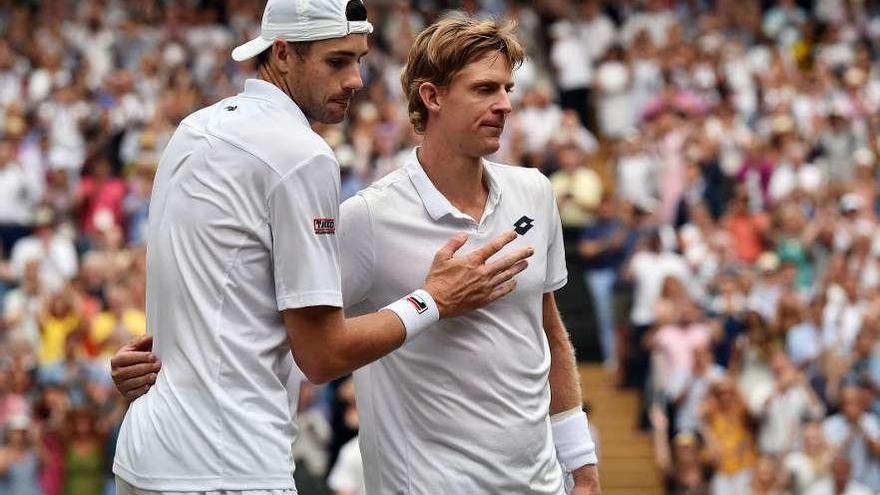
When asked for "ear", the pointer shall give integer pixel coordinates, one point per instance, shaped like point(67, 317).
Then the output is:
point(283, 56)
point(431, 97)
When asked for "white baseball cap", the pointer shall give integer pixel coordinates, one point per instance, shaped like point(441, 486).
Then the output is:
point(301, 20)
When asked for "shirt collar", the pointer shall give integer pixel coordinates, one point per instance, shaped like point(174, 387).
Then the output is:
point(264, 90)
point(435, 202)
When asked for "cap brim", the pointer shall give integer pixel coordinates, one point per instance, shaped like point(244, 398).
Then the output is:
point(250, 49)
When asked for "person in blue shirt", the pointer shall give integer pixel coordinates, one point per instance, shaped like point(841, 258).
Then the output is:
point(605, 245)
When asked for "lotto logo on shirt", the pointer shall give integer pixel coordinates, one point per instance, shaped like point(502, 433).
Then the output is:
point(325, 225)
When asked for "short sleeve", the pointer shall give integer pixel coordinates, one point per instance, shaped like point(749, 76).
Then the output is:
point(303, 210)
point(356, 249)
point(639, 263)
point(871, 427)
point(557, 273)
point(833, 432)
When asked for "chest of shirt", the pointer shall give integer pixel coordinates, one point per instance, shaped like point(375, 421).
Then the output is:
point(407, 238)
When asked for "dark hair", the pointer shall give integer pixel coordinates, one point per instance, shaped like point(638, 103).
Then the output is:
point(300, 48)
point(355, 10)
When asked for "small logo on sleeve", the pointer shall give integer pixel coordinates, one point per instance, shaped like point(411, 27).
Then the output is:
point(324, 225)
point(523, 225)
point(417, 303)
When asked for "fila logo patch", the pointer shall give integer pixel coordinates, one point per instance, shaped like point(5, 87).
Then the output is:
point(523, 225)
point(325, 225)
point(417, 303)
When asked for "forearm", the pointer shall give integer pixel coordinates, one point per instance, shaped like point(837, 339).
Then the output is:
point(662, 453)
point(571, 435)
point(588, 249)
point(332, 346)
point(368, 338)
point(873, 445)
point(565, 390)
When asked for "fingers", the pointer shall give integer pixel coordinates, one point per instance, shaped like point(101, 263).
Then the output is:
point(484, 253)
point(134, 394)
point(128, 358)
point(501, 291)
point(449, 249)
point(138, 382)
point(508, 274)
point(509, 260)
point(125, 373)
point(144, 343)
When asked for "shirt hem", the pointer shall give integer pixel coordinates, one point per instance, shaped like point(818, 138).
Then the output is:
point(557, 285)
point(206, 483)
point(307, 299)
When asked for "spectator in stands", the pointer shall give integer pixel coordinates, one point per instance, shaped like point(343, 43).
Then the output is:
point(684, 466)
point(20, 458)
point(18, 196)
point(577, 187)
point(791, 402)
point(812, 462)
point(54, 251)
point(769, 478)
point(605, 243)
point(84, 455)
point(730, 441)
point(840, 482)
point(688, 389)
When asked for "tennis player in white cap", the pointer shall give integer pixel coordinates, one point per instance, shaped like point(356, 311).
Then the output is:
point(243, 270)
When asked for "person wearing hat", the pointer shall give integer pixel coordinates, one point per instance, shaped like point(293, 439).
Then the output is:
point(243, 270)
point(509, 421)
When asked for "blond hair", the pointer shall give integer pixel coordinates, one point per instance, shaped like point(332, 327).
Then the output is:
point(443, 49)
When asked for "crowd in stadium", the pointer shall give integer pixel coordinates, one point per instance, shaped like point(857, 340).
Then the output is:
point(715, 165)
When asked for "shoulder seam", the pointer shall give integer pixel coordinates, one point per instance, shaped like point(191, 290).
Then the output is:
point(230, 143)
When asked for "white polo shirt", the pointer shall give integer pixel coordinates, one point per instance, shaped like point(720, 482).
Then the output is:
point(464, 408)
point(242, 226)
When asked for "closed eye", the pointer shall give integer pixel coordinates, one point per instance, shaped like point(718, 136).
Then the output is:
point(337, 63)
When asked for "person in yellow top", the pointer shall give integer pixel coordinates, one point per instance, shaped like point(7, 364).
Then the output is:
point(117, 324)
point(61, 318)
point(578, 188)
point(730, 438)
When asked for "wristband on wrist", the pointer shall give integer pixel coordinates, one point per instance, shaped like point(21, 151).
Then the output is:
point(574, 443)
point(417, 310)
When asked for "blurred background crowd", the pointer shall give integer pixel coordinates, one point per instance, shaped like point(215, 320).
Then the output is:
point(715, 165)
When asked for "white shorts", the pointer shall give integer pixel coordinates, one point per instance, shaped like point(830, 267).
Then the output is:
point(124, 488)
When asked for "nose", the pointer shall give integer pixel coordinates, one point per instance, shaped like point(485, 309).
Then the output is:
point(353, 80)
point(503, 104)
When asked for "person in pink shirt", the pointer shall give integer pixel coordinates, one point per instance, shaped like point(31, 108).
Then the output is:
point(675, 342)
point(11, 404)
point(99, 198)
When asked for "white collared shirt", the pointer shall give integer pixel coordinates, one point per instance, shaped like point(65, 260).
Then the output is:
point(242, 226)
point(464, 408)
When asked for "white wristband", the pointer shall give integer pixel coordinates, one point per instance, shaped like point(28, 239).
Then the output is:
point(574, 443)
point(417, 310)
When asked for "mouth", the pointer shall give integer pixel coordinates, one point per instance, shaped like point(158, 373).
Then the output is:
point(494, 127)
